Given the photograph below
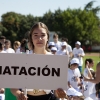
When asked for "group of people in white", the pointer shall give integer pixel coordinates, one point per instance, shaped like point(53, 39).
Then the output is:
point(78, 89)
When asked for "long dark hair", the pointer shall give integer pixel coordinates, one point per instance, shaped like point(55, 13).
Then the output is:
point(38, 25)
point(89, 60)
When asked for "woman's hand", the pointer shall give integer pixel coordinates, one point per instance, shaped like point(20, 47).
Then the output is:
point(60, 93)
point(21, 96)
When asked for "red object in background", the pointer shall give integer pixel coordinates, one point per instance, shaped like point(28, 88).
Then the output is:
point(89, 48)
point(83, 47)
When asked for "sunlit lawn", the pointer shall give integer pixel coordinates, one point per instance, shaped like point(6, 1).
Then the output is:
point(96, 59)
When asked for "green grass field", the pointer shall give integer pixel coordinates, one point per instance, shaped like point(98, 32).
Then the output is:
point(93, 56)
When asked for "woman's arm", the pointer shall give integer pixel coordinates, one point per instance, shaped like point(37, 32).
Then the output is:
point(96, 80)
point(20, 95)
point(15, 92)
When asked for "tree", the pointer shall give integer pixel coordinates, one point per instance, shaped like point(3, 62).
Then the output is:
point(89, 7)
point(76, 25)
point(16, 25)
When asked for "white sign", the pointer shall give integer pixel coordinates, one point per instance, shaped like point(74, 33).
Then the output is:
point(33, 71)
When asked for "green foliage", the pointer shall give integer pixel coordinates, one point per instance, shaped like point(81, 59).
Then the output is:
point(16, 25)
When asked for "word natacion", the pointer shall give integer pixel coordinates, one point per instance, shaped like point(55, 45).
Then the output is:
point(32, 71)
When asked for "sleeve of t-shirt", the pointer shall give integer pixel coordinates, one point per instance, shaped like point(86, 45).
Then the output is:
point(69, 48)
point(82, 52)
point(78, 72)
point(85, 73)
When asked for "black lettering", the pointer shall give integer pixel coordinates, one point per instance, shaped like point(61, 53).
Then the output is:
point(46, 71)
point(30, 71)
point(15, 69)
point(0, 69)
point(23, 71)
point(38, 71)
point(7, 70)
point(57, 72)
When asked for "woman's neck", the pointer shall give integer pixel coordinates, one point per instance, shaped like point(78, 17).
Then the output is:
point(39, 51)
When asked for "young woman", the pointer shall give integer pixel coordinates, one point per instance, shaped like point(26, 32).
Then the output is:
point(8, 48)
point(16, 46)
point(96, 80)
point(89, 87)
point(89, 63)
point(39, 36)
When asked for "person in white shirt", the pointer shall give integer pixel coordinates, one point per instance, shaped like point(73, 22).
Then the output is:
point(8, 48)
point(89, 87)
point(54, 50)
point(78, 52)
point(97, 78)
point(73, 74)
point(16, 46)
point(69, 48)
point(38, 38)
point(63, 50)
point(89, 63)
point(56, 41)
point(51, 44)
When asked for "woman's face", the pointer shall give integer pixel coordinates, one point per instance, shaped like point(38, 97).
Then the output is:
point(91, 64)
point(39, 38)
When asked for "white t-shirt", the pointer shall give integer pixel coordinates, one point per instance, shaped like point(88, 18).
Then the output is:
point(93, 96)
point(18, 50)
point(88, 98)
point(85, 73)
point(71, 77)
point(58, 45)
point(9, 50)
point(89, 88)
point(76, 52)
point(69, 48)
point(62, 52)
